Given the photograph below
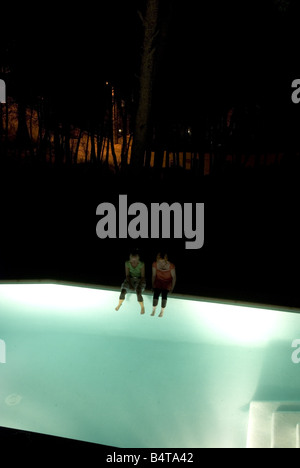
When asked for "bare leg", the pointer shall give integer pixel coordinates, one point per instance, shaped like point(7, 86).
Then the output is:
point(153, 311)
point(120, 303)
point(163, 303)
point(142, 307)
point(121, 298)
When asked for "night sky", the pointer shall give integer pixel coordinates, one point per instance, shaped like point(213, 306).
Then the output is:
point(217, 54)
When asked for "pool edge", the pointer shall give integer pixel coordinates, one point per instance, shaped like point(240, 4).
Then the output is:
point(148, 292)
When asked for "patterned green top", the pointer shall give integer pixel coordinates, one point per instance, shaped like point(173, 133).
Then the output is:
point(135, 272)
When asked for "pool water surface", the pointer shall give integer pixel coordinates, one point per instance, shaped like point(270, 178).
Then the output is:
point(72, 366)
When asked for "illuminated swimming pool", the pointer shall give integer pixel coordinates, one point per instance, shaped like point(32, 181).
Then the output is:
point(207, 374)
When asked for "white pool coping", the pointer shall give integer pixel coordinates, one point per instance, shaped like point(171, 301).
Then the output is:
point(148, 292)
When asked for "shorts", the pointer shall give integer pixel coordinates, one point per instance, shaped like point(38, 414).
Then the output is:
point(137, 283)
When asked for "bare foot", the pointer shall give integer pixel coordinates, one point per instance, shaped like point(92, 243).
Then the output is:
point(161, 314)
point(153, 313)
point(120, 303)
point(142, 310)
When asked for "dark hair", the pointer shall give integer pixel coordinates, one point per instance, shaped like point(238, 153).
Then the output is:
point(134, 253)
point(162, 254)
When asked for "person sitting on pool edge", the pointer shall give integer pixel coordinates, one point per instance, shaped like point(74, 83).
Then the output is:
point(163, 281)
point(135, 280)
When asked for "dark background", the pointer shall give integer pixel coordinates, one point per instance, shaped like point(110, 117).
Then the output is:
point(217, 55)
point(251, 249)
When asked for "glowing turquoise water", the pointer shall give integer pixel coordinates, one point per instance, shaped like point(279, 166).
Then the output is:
point(76, 368)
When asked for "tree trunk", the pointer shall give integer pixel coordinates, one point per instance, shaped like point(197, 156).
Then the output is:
point(107, 152)
point(22, 137)
point(167, 159)
point(159, 157)
point(111, 130)
point(146, 85)
point(184, 159)
point(77, 147)
point(57, 146)
point(68, 155)
point(148, 158)
point(100, 141)
point(93, 148)
point(124, 153)
point(87, 148)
